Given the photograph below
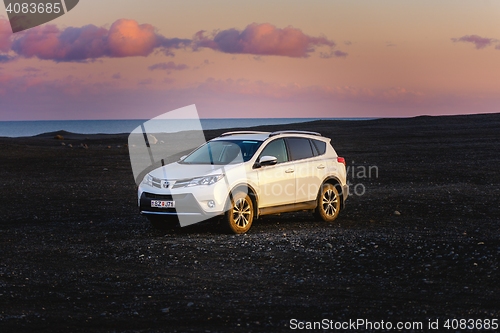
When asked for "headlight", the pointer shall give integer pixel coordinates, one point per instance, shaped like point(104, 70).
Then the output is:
point(207, 180)
point(148, 180)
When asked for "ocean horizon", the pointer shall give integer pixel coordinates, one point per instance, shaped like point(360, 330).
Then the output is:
point(36, 127)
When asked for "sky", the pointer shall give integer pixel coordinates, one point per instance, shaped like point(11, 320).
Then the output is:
point(124, 59)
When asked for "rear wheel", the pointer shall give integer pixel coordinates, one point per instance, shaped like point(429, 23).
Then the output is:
point(239, 217)
point(163, 222)
point(328, 206)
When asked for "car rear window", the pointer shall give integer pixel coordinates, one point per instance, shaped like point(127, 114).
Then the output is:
point(300, 148)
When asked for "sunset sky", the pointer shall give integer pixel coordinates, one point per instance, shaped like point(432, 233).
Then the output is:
point(129, 59)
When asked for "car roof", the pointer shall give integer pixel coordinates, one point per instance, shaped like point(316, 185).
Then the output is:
point(262, 136)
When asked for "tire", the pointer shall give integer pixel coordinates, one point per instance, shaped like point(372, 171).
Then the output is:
point(328, 206)
point(164, 222)
point(239, 217)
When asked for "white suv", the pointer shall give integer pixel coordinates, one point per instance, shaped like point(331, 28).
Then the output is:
point(243, 175)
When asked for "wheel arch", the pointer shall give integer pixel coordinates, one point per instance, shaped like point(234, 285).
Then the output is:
point(252, 193)
point(338, 185)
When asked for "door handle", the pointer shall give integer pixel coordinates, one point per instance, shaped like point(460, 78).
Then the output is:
point(321, 166)
point(289, 171)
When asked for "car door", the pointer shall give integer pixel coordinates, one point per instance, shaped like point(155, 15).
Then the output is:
point(276, 182)
point(310, 169)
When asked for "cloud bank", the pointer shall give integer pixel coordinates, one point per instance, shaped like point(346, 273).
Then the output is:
point(262, 39)
point(128, 38)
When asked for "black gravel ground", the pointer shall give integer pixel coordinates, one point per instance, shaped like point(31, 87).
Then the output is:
point(419, 241)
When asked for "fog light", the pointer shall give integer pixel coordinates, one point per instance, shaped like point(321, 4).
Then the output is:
point(211, 204)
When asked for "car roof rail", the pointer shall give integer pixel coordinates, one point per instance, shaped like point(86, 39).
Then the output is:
point(241, 132)
point(294, 132)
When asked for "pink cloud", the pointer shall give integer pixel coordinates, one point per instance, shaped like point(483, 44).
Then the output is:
point(5, 35)
point(125, 38)
point(168, 66)
point(262, 39)
point(479, 42)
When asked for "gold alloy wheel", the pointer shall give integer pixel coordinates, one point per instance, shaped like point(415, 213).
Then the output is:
point(328, 205)
point(329, 202)
point(239, 216)
point(241, 213)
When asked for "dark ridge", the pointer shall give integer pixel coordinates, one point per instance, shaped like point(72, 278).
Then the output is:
point(492, 118)
point(79, 136)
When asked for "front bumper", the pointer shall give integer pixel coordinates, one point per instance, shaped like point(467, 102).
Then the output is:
point(187, 209)
point(185, 204)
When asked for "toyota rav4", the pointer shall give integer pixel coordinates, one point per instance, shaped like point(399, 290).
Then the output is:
point(243, 175)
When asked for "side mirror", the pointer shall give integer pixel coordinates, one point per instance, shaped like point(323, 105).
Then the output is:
point(268, 160)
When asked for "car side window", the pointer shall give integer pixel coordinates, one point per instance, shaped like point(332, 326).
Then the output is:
point(300, 148)
point(314, 149)
point(277, 149)
point(320, 146)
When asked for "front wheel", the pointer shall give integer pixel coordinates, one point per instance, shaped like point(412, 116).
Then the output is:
point(239, 217)
point(328, 206)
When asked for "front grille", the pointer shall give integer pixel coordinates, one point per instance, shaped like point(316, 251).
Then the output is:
point(156, 182)
point(182, 183)
point(167, 197)
point(158, 196)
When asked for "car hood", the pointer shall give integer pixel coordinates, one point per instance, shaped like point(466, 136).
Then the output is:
point(175, 171)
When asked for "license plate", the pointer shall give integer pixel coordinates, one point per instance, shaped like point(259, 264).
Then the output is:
point(162, 204)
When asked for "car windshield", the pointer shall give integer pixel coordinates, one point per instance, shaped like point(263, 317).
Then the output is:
point(221, 152)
